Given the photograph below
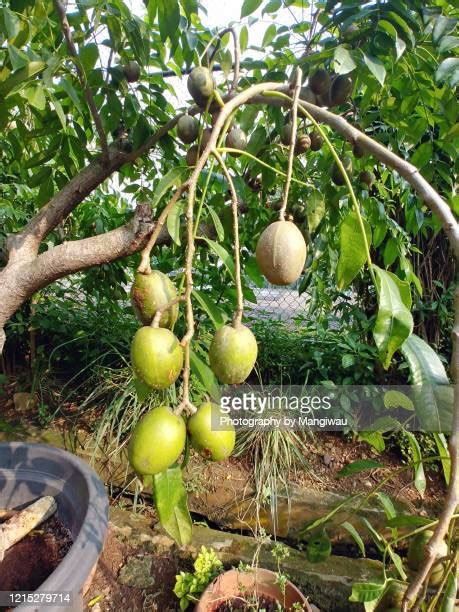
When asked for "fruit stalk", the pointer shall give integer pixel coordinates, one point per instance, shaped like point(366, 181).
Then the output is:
point(237, 319)
point(237, 53)
point(156, 319)
point(291, 153)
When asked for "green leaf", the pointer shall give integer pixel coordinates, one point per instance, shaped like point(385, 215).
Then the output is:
point(17, 78)
point(408, 520)
point(89, 54)
point(355, 535)
point(448, 70)
point(249, 7)
point(171, 504)
point(244, 38)
point(173, 178)
point(59, 110)
point(394, 322)
point(360, 465)
point(343, 60)
point(270, 33)
point(376, 67)
point(352, 253)
point(448, 602)
point(18, 58)
point(397, 561)
point(205, 375)
point(173, 221)
point(397, 399)
point(35, 96)
point(447, 43)
point(387, 504)
point(443, 451)
point(419, 476)
point(374, 439)
point(423, 155)
point(318, 548)
point(142, 390)
point(433, 393)
point(272, 6)
point(168, 19)
point(216, 315)
point(217, 223)
point(222, 254)
point(366, 591)
point(315, 210)
point(443, 25)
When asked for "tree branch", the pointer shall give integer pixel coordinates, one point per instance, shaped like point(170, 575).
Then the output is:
point(60, 10)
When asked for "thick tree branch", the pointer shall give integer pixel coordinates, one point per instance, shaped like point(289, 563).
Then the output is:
point(60, 10)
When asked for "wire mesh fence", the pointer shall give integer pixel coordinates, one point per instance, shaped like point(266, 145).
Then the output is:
point(282, 303)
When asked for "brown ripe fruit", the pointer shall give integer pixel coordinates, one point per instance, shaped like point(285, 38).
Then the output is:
point(319, 82)
point(281, 253)
point(303, 144)
point(341, 89)
point(308, 95)
point(316, 140)
point(131, 71)
point(187, 129)
point(286, 134)
point(367, 177)
point(358, 150)
point(336, 174)
point(192, 156)
point(236, 139)
point(201, 85)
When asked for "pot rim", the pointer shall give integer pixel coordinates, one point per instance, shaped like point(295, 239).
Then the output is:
point(259, 573)
point(88, 543)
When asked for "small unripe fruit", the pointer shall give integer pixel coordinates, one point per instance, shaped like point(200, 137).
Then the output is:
point(232, 354)
point(303, 144)
point(236, 139)
point(212, 444)
point(350, 32)
point(281, 253)
point(150, 292)
point(157, 357)
point(157, 441)
point(201, 85)
point(358, 151)
point(187, 129)
point(341, 89)
point(316, 141)
point(192, 156)
point(367, 177)
point(319, 82)
point(131, 72)
point(286, 134)
point(336, 174)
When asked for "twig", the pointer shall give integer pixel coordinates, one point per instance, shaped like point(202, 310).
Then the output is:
point(156, 319)
point(144, 266)
point(237, 262)
point(291, 153)
point(237, 53)
point(60, 9)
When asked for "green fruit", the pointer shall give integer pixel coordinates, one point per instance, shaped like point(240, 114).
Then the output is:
point(358, 151)
point(211, 443)
point(236, 139)
point(201, 85)
point(416, 551)
point(341, 89)
point(336, 174)
point(232, 354)
point(150, 292)
point(157, 441)
point(192, 156)
point(316, 140)
point(308, 95)
point(286, 134)
point(131, 71)
point(303, 144)
point(157, 357)
point(319, 82)
point(281, 253)
point(187, 129)
point(367, 177)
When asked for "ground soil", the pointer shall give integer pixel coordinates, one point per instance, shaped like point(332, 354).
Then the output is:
point(239, 605)
point(31, 561)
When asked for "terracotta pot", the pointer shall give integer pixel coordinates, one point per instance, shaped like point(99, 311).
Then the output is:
point(258, 582)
